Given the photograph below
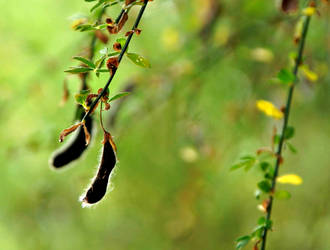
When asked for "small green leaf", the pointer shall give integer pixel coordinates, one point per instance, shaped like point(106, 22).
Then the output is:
point(85, 61)
point(122, 41)
point(96, 6)
point(81, 97)
point(282, 195)
point(247, 161)
point(261, 220)
point(242, 241)
point(247, 157)
point(120, 95)
point(288, 133)
point(291, 148)
point(84, 27)
point(138, 60)
point(102, 71)
point(285, 76)
point(264, 186)
point(78, 70)
point(237, 166)
point(264, 165)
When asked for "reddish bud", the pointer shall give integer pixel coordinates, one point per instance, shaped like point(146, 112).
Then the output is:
point(117, 46)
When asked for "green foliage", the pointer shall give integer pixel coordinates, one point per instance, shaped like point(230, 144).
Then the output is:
point(139, 60)
point(282, 195)
point(118, 96)
point(246, 162)
point(286, 77)
point(199, 205)
point(81, 97)
point(85, 61)
point(78, 70)
point(242, 241)
point(265, 186)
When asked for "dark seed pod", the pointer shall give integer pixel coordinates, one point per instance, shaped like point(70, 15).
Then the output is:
point(100, 183)
point(74, 149)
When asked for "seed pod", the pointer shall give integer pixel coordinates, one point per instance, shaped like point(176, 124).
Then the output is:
point(112, 64)
point(100, 183)
point(74, 149)
point(122, 21)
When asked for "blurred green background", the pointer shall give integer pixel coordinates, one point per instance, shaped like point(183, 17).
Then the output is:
point(188, 120)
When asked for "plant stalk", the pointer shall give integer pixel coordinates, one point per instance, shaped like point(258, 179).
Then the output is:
point(285, 125)
point(120, 57)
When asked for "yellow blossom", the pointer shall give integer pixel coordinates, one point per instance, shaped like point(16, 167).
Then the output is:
point(309, 11)
point(310, 75)
point(290, 179)
point(269, 109)
point(171, 39)
point(189, 154)
point(262, 55)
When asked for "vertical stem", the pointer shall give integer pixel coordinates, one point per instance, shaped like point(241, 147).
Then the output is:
point(285, 125)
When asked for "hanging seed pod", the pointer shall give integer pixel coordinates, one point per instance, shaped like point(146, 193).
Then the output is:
point(122, 21)
point(75, 148)
point(100, 183)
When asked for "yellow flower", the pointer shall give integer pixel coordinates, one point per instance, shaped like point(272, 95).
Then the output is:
point(290, 179)
point(310, 75)
point(269, 109)
point(189, 154)
point(262, 55)
point(309, 11)
point(171, 39)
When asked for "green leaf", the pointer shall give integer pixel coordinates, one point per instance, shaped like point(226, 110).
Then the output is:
point(261, 220)
point(242, 241)
point(78, 70)
point(264, 165)
point(288, 133)
point(247, 157)
point(282, 195)
point(237, 166)
point(96, 6)
point(120, 95)
point(286, 77)
point(264, 186)
point(81, 97)
point(291, 148)
point(247, 161)
point(85, 61)
point(84, 27)
point(138, 60)
point(102, 71)
point(122, 41)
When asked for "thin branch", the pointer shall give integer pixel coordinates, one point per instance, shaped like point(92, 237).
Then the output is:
point(285, 125)
point(123, 51)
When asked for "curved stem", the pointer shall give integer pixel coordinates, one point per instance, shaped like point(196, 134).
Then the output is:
point(285, 125)
point(120, 57)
